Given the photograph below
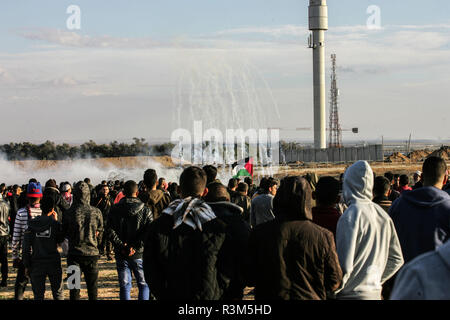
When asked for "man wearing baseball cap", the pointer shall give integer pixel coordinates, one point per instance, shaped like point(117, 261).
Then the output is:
point(30, 211)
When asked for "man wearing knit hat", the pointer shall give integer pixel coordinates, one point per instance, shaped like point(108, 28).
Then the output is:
point(30, 211)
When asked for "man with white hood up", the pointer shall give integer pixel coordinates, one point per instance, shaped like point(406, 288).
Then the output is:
point(367, 244)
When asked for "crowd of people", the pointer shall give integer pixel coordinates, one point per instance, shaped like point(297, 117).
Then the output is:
point(359, 236)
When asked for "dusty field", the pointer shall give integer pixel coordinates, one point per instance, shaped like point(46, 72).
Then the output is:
point(108, 284)
point(336, 169)
point(119, 162)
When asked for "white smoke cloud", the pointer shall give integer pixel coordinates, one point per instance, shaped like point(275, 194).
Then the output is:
point(15, 172)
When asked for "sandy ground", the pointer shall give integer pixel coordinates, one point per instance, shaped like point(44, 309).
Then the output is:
point(108, 284)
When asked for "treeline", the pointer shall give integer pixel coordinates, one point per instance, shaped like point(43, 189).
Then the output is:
point(51, 151)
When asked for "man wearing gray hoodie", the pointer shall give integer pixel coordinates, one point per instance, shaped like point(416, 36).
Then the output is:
point(367, 244)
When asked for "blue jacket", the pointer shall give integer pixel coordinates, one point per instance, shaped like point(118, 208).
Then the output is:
point(422, 220)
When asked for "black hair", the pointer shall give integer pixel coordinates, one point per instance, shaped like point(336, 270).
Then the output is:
point(232, 183)
point(150, 178)
point(242, 187)
point(217, 192)
point(87, 180)
point(211, 173)
point(381, 185)
point(129, 188)
point(433, 169)
point(404, 180)
point(248, 180)
point(192, 181)
point(47, 204)
point(389, 175)
point(327, 191)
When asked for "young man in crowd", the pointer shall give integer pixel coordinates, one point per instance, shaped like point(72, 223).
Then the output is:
point(104, 202)
point(394, 193)
point(157, 200)
point(40, 251)
point(83, 226)
point(4, 235)
point(290, 257)
point(243, 200)
point(182, 254)
point(127, 225)
point(232, 186)
point(367, 244)
point(422, 216)
point(238, 232)
point(381, 192)
point(325, 213)
point(404, 183)
point(262, 205)
point(211, 174)
point(24, 215)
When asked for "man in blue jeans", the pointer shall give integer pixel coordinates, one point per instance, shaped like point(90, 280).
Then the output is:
point(126, 227)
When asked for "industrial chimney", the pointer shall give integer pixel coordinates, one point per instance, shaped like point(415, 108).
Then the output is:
point(318, 24)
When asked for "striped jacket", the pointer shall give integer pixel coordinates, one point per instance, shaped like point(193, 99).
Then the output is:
point(20, 226)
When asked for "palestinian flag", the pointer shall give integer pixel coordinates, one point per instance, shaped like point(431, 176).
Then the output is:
point(243, 168)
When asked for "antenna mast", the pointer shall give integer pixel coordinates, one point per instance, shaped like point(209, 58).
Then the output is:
point(335, 137)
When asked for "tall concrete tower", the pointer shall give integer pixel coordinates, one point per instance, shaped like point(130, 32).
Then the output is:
point(318, 24)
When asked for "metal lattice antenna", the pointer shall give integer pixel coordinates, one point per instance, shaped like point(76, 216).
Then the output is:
point(335, 131)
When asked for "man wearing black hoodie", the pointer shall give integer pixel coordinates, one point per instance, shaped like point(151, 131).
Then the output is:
point(83, 226)
point(40, 254)
point(127, 225)
point(422, 216)
point(235, 246)
point(51, 190)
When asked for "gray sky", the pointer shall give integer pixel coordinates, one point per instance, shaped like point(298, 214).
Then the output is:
point(144, 68)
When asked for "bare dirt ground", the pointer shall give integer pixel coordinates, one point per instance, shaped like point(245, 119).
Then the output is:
point(108, 284)
point(119, 162)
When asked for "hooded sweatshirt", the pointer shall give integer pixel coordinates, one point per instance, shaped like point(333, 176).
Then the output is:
point(83, 223)
point(40, 241)
point(367, 244)
point(292, 258)
point(127, 223)
point(235, 246)
point(422, 220)
point(157, 200)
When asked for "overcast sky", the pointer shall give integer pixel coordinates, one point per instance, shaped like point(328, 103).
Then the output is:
point(144, 68)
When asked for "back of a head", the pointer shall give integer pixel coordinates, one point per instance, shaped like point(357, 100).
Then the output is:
point(192, 182)
point(381, 185)
point(211, 173)
point(217, 192)
point(358, 182)
point(293, 199)
point(327, 191)
point(242, 187)
point(130, 188)
point(81, 192)
point(150, 178)
point(47, 205)
point(433, 171)
point(87, 180)
point(51, 183)
point(232, 183)
point(32, 180)
point(248, 180)
point(404, 180)
point(389, 175)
